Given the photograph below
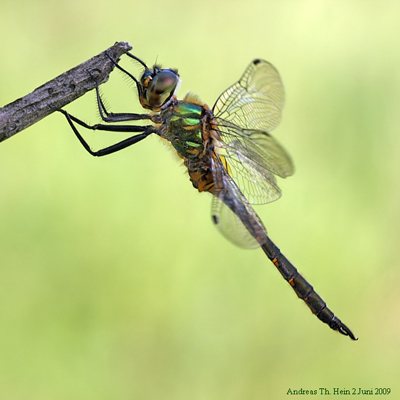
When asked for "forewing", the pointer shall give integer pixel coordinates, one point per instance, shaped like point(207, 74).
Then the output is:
point(256, 101)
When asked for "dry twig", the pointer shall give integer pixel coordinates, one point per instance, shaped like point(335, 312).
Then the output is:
point(57, 93)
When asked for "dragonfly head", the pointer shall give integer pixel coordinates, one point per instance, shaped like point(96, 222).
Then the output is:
point(158, 86)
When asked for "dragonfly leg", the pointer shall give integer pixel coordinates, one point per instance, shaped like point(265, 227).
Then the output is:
point(138, 85)
point(114, 117)
point(136, 59)
point(146, 131)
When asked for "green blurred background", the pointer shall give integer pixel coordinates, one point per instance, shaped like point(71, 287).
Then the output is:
point(114, 283)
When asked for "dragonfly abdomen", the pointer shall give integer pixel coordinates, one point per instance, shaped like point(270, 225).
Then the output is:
point(200, 175)
point(304, 289)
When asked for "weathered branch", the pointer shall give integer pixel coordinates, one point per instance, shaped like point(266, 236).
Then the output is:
point(55, 94)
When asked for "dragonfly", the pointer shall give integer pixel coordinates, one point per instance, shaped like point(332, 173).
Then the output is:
point(227, 150)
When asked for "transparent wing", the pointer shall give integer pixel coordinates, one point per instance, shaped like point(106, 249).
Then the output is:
point(253, 158)
point(245, 158)
point(231, 212)
point(230, 225)
point(256, 101)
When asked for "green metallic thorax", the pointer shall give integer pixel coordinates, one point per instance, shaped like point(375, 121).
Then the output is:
point(182, 126)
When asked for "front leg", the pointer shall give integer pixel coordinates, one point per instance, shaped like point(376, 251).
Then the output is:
point(115, 117)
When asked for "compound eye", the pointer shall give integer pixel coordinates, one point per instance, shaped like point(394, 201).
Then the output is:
point(161, 87)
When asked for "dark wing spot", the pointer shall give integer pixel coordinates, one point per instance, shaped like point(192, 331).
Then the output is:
point(215, 219)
